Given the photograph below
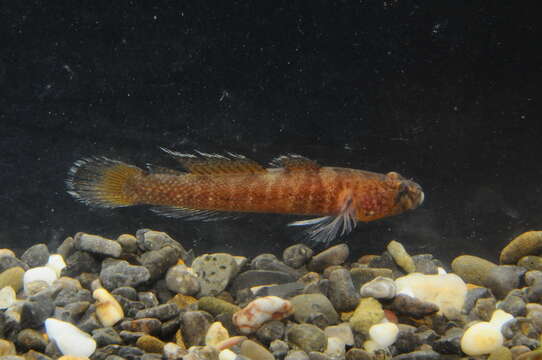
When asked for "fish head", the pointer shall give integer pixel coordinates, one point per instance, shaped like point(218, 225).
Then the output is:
point(407, 195)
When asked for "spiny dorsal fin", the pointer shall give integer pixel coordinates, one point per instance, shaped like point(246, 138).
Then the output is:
point(207, 164)
point(293, 162)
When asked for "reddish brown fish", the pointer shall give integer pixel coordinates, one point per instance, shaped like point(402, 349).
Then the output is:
point(216, 185)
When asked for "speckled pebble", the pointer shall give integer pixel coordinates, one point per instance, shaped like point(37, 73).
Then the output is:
point(297, 255)
point(214, 272)
point(307, 337)
point(123, 274)
point(97, 245)
point(181, 281)
point(36, 255)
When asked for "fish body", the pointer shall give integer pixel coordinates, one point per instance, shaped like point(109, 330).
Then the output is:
point(216, 185)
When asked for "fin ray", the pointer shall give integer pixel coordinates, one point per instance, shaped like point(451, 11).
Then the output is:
point(293, 162)
point(207, 164)
point(194, 214)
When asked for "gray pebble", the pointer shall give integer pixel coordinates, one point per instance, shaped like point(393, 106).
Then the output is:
point(80, 262)
point(307, 337)
point(532, 276)
point(148, 298)
point(214, 272)
point(147, 326)
point(412, 306)
point(419, 355)
point(306, 305)
point(358, 354)
point(472, 296)
point(425, 264)
point(34, 313)
point(7, 262)
point(386, 261)
point(71, 295)
point(106, 336)
point(127, 291)
point(314, 355)
point(66, 248)
point(253, 278)
point(335, 255)
point(503, 278)
point(450, 343)
point(126, 352)
point(128, 243)
point(361, 276)
point(278, 348)
point(36, 255)
point(123, 274)
point(270, 331)
point(284, 291)
point(159, 261)
point(341, 292)
point(534, 292)
point(407, 339)
point(154, 240)
point(180, 281)
point(484, 308)
point(162, 312)
point(297, 255)
point(89, 322)
point(194, 325)
point(97, 245)
point(513, 304)
point(270, 262)
point(379, 288)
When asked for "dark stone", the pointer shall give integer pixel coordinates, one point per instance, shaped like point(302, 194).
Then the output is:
point(279, 348)
point(130, 307)
point(147, 325)
point(361, 276)
point(80, 262)
point(106, 336)
point(71, 312)
point(71, 295)
point(504, 278)
point(450, 343)
point(159, 261)
point(30, 339)
point(386, 261)
point(358, 354)
point(271, 263)
point(162, 312)
point(472, 296)
point(297, 255)
point(148, 299)
point(127, 291)
point(89, 322)
point(130, 337)
point(407, 339)
point(66, 248)
point(194, 327)
point(425, 264)
point(419, 355)
point(284, 291)
point(253, 278)
point(36, 255)
point(126, 352)
point(52, 350)
point(341, 292)
point(123, 274)
point(149, 240)
point(34, 313)
point(269, 331)
point(335, 255)
point(412, 306)
point(483, 309)
point(97, 245)
point(513, 304)
point(170, 327)
point(7, 262)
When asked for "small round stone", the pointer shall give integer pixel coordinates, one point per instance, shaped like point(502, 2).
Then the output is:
point(180, 281)
point(150, 344)
point(297, 255)
point(379, 288)
point(307, 337)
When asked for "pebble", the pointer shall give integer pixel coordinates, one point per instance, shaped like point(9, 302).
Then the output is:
point(217, 306)
point(36, 255)
point(341, 292)
point(56, 262)
point(472, 269)
point(271, 263)
point(97, 245)
point(123, 274)
point(379, 288)
point(358, 354)
point(297, 355)
point(66, 248)
point(367, 313)
point(426, 264)
point(128, 242)
point(162, 312)
point(308, 337)
point(531, 262)
point(69, 339)
point(503, 278)
point(12, 277)
point(8, 261)
point(195, 325)
point(360, 276)
point(270, 331)
point(181, 281)
point(528, 243)
point(384, 334)
point(335, 255)
point(401, 257)
point(108, 309)
point(216, 334)
point(501, 353)
point(147, 325)
point(252, 316)
point(41, 273)
point(214, 272)
point(419, 355)
point(255, 351)
point(306, 305)
point(106, 336)
point(159, 261)
point(279, 348)
point(342, 331)
point(31, 339)
point(252, 278)
point(7, 348)
point(7, 297)
point(151, 344)
point(513, 304)
point(80, 262)
point(335, 347)
point(297, 255)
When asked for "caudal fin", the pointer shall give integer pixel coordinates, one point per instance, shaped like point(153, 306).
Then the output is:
point(99, 181)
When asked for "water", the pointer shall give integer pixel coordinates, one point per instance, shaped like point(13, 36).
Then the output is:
point(414, 87)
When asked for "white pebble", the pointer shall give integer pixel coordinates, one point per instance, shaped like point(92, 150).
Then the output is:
point(216, 334)
point(173, 351)
point(499, 318)
point(384, 334)
point(481, 338)
point(108, 309)
point(335, 347)
point(69, 339)
point(227, 355)
point(343, 331)
point(7, 297)
point(56, 262)
point(252, 316)
point(41, 273)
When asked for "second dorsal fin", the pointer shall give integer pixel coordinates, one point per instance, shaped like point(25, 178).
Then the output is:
point(206, 164)
point(293, 162)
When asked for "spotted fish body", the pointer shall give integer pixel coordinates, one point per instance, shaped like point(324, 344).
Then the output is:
point(217, 185)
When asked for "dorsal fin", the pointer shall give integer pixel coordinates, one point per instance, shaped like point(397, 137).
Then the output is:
point(206, 164)
point(154, 169)
point(293, 162)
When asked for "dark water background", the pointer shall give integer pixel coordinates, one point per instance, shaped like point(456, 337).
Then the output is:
point(445, 92)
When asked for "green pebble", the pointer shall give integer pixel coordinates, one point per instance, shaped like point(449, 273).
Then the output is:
point(216, 306)
point(368, 312)
point(12, 277)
